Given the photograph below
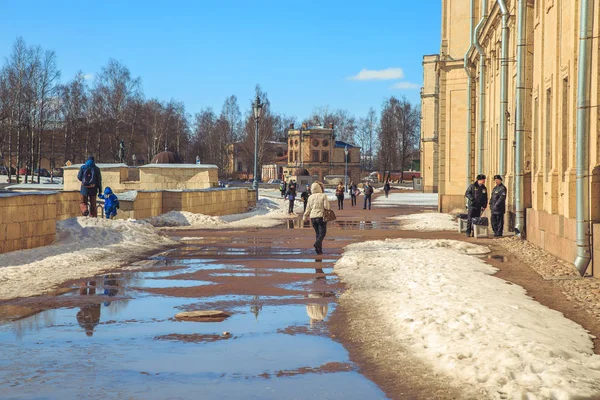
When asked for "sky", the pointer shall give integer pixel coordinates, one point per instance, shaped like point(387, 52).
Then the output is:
point(340, 54)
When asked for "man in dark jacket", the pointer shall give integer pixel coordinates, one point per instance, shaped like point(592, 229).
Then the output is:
point(368, 194)
point(477, 197)
point(291, 194)
point(91, 184)
point(498, 206)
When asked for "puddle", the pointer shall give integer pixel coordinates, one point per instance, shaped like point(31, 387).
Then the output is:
point(134, 348)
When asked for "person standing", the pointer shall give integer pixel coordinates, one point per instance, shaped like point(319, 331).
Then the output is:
point(305, 195)
point(498, 206)
point(317, 204)
point(291, 194)
point(283, 188)
point(339, 193)
point(353, 190)
point(477, 197)
point(387, 188)
point(368, 195)
point(91, 184)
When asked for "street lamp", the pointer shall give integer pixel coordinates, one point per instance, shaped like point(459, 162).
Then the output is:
point(346, 175)
point(257, 108)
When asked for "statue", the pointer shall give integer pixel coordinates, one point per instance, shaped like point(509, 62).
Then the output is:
point(122, 152)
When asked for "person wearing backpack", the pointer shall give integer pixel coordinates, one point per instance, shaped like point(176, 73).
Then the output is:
point(91, 184)
point(305, 195)
point(291, 195)
point(111, 203)
point(283, 188)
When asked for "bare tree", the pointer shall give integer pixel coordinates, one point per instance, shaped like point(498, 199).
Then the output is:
point(365, 136)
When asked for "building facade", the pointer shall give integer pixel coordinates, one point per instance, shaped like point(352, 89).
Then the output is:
point(508, 104)
point(315, 149)
point(241, 157)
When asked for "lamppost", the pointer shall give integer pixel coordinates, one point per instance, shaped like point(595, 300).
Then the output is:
point(346, 175)
point(257, 108)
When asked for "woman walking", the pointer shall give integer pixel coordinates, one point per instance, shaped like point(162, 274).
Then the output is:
point(353, 189)
point(315, 210)
point(387, 188)
point(339, 193)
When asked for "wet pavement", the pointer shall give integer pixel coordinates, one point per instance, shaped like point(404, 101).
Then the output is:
point(115, 335)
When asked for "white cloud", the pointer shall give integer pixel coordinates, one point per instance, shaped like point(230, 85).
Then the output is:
point(88, 77)
point(406, 85)
point(382, 74)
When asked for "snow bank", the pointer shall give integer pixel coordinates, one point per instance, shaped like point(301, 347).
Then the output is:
point(407, 199)
point(269, 212)
point(446, 309)
point(184, 218)
point(84, 247)
point(427, 222)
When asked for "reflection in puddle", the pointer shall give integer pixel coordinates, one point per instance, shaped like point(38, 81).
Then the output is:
point(112, 341)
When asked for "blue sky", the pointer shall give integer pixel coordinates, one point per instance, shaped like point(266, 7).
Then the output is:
point(303, 53)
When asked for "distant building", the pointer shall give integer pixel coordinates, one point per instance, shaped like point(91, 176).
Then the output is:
point(316, 150)
point(241, 158)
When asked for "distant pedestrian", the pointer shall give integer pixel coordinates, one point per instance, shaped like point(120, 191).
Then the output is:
point(305, 195)
point(317, 204)
point(339, 193)
point(368, 195)
point(291, 196)
point(498, 206)
point(477, 197)
point(283, 188)
point(386, 188)
point(353, 189)
point(91, 184)
point(111, 203)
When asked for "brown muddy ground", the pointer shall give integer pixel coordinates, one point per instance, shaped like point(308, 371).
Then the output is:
point(277, 268)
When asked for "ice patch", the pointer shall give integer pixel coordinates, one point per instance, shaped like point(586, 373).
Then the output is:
point(84, 247)
point(427, 222)
point(445, 308)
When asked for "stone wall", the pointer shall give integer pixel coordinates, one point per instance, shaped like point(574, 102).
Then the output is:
point(28, 220)
point(149, 177)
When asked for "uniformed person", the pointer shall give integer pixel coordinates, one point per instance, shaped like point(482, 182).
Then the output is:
point(498, 206)
point(477, 197)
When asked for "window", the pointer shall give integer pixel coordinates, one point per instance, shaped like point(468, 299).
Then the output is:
point(348, 157)
point(316, 143)
point(565, 134)
point(325, 143)
point(324, 156)
point(315, 156)
point(548, 118)
point(296, 156)
point(239, 166)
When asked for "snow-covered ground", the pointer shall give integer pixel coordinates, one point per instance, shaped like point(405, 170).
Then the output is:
point(57, 181)
point(427, 222)
point(446, 309)
point(84, 247)
point(407, 199)
point(268, 213)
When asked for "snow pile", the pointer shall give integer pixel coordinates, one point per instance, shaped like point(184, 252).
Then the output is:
point(268, 213)
point(427, 222)
point(446, 309)
point(184, 218)
point(407, 199)
point(84, 247)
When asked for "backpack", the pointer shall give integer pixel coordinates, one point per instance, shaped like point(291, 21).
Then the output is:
point(89, 177)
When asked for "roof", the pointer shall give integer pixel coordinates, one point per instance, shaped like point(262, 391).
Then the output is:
point(339, 143)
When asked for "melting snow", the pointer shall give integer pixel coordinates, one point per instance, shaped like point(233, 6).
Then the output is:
point(446, 309)
point(427, 222)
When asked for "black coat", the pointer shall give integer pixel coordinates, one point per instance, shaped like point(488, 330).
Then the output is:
point(498, 200)
point(477, 196)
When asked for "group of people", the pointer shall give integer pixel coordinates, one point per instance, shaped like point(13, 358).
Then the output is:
point(354, 192)
point(477, 203)
point(91, 186)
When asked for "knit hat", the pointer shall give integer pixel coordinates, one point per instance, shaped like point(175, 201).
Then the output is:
point(480, 177)
point(497, 177)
